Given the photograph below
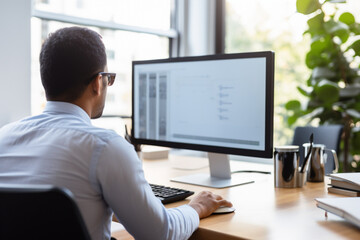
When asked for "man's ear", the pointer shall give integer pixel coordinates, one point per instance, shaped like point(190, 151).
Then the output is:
point(96, 84)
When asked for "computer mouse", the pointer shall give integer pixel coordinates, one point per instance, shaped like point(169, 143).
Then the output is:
point(223, 209)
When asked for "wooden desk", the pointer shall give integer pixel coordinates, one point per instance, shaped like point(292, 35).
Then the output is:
point(262, 211)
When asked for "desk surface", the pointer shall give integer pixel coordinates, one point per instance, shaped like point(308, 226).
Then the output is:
point(262, 211)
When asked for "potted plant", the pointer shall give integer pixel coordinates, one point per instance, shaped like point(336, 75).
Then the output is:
point(333, 89)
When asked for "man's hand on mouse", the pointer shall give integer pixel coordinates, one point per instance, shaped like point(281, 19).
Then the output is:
point(205, 203)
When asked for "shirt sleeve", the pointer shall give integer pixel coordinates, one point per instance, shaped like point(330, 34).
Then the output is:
point(129, 195)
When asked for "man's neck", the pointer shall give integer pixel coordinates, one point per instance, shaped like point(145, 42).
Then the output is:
point(85, 105)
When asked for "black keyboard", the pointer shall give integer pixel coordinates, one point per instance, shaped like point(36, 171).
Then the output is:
point(168, 194)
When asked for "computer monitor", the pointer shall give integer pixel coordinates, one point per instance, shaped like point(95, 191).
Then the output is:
point(221, 104)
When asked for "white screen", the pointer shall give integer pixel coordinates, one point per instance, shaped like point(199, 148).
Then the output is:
point(211, 102)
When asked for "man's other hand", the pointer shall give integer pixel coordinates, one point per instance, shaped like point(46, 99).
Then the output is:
point(205, 203)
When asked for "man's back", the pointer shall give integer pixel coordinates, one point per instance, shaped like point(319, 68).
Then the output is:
point(62, 148)
point(59, 149)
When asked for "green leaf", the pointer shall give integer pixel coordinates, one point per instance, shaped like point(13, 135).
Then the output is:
point(320, 44)
point(332, 26)
point(293, 105)
point(343, 35)
point(311, 60)
point(356, 47)
point(355, 28)
point(355, 141)
point(357, 106)
point(314, 59)
point(307, 6)
point(316, 23)
point(291, 120)
point(327, 91)
point(304, 92)
point(338, 29)
point(347, 18)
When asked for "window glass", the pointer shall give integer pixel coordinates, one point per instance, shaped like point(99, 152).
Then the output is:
point(260, 25)
point(122, 48)
point(144, 13)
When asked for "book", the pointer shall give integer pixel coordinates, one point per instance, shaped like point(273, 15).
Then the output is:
point(345, 207)
point(154, 152)
point(344, 191)
point(346, 180)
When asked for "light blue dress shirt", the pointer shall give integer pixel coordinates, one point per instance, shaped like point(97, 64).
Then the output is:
point(62, 148)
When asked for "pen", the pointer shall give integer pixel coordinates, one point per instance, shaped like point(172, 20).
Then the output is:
point(308, 153)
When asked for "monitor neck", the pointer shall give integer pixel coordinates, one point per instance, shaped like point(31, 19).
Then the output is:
point(219, 164)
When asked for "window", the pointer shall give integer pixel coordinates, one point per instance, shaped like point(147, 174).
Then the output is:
point(275, 25)
point(131, 30)
point(271, 25)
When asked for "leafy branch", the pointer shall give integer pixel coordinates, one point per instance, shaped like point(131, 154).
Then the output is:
point(333, 88)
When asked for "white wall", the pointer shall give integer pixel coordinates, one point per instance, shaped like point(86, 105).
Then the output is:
point(15, 58)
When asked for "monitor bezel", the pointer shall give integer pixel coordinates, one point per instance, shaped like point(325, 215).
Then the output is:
point(269, 106)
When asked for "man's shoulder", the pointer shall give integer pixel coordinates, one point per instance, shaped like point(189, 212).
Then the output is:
point(101, 132)
point(62, 125)
point(11, 125)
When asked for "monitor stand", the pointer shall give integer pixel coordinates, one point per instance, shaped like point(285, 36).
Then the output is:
point(220, 174)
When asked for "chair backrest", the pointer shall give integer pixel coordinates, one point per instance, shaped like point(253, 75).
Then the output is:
point(39, 212)
point(329, 135)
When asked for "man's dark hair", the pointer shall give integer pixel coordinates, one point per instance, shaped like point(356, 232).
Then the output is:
point(69, 60)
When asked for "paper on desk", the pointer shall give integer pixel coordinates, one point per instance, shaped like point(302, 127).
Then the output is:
point(345, 207)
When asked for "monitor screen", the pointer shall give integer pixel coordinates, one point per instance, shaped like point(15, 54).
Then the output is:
point(216, 103)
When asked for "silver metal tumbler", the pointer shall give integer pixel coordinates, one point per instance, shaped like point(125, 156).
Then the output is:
point(286, 167)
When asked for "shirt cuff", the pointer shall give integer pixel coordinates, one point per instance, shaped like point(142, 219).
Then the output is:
point(192, 213)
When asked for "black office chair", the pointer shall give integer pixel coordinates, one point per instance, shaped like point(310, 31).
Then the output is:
point(329, 135)
point(39, 212)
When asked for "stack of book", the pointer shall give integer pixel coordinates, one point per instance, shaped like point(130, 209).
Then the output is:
point(345, 183)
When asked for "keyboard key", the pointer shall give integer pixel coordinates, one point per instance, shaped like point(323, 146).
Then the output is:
point(168, 194)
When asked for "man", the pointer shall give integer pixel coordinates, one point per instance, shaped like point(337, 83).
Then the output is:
point(102, 170)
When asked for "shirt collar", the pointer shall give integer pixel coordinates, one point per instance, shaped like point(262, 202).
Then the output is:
point(67, 108)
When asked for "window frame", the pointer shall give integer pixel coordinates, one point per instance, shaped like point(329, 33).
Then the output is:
point(220, 26)
point(58, 17)
point(172, 33)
